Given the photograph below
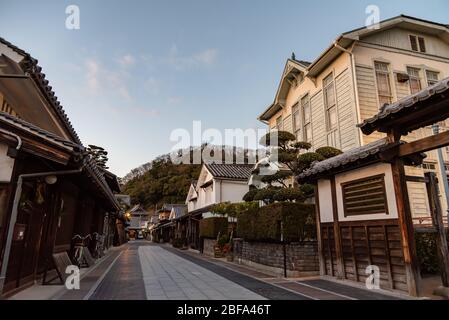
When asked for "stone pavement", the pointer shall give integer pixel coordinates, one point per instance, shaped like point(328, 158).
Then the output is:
point(141, 270)
point(168, 276)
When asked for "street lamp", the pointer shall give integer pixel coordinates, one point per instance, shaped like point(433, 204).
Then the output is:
point(436, 130)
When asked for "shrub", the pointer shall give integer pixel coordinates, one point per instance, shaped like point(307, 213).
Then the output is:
point(211, 227)
point(298, 221)
point(328, 152)
point(249, 196)
point(289, 194)
point(305, 160)
point(426, 250)
point(233, 209)
point(282, 138)
point(307, 189)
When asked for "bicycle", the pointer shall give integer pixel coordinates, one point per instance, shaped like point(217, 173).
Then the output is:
point(79, 247)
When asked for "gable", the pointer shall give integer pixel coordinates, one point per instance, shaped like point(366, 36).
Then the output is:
point(399, 38)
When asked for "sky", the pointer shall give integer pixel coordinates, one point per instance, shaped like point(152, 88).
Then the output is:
point(137, 70)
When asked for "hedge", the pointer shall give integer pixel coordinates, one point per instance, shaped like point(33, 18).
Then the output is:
point(426, 250)
point(264, 224)
point(211, 227)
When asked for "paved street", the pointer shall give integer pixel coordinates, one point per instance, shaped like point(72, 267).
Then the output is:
point(141, 270)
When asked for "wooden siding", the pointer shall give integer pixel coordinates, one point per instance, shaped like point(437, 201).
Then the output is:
point(288, 125)
point(366, 243)
point(399, 38)
point(346, 112)
point(368, 103)
point(402, 88)
point(319, 132)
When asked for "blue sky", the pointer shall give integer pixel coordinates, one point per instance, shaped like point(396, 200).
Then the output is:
point(136, 70)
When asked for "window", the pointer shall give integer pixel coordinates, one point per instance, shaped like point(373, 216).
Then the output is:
point(428, 166)
point(417, 43)
point(414, 80)
point(296, 121)
point(307, 118)
point(279, 123)
point(383, 83)
point(329, 102)
point(365, 196)
point(432, 77)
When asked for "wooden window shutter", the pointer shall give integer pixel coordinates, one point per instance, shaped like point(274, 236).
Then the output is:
point(365, 196)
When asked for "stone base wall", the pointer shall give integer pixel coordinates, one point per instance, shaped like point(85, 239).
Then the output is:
point(208, 247)
point(302, 258)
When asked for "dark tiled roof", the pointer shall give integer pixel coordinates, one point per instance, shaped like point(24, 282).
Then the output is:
point(230, 171)
point(180, 211)
point(304, 63)
point(31, 66)
point(19, 123)
point(372, 124)
point(348, 157)
point(169, 206)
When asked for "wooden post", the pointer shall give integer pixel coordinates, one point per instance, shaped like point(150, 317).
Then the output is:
point(437, 220)
point(406, 227)
point(318, 232)
point(337, 235)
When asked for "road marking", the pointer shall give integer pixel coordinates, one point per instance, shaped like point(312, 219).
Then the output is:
point(324, 290)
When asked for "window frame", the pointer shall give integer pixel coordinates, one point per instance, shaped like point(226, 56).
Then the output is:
point(296, 112)
point(426, 73)
point(327, 108)
point(416, 78)
point(305, 123)
point(420, 47)
point(280, 123)
point(389, 79)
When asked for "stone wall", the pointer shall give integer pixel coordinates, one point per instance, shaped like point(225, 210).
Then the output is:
point(208, 247)
point(302, 258)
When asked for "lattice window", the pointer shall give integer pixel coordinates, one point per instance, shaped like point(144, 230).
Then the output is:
point(365, 196)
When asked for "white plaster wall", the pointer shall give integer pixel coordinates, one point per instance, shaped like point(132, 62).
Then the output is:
point(376, 169)
point(6, 164)
point(325, 201)
point(233, 191)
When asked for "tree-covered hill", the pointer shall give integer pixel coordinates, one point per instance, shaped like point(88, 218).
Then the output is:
point(161, 181)
point(164, 182)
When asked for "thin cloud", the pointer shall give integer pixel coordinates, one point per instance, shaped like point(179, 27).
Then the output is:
point(201, 59)
point(173, 100)
point(152, 85)
point(127, 60)
point(99, 78)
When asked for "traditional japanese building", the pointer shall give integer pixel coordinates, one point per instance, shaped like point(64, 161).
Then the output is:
point(50, 187)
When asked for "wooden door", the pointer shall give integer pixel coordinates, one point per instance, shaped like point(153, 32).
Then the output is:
point(25, 248)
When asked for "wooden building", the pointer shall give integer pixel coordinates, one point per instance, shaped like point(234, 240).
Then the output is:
point(363, 205)
point(322, 101)
point(50, 187)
